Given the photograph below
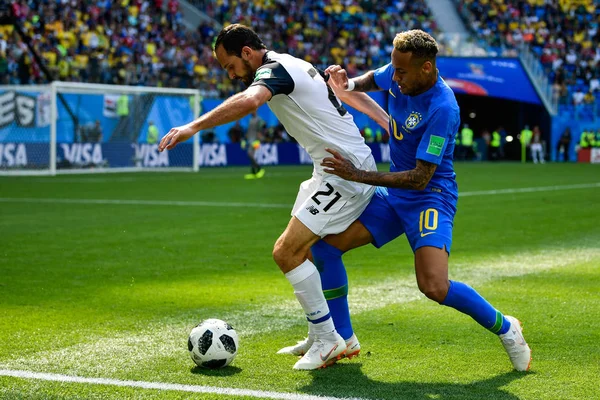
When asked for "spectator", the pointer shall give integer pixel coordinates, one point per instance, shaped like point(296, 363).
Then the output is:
point(495, 148)
point(589, 98)
point(578, 97)
point(95, 132)
point(564, 146)
point(466, 143)
point(537, 148)
point(152, 136)
point(235, 133)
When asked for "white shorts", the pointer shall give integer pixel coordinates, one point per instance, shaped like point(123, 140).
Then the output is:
point(536, 147)
point(328, 204)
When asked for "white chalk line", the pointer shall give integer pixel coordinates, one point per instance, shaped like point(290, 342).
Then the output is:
point(165, 386)
point(271, 205)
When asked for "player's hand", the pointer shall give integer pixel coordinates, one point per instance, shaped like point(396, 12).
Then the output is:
point(338, 77)
point(176, 135)
point(338, 165)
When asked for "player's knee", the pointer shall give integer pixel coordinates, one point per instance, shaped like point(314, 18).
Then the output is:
point(279, 253)
point(435, 291)
point(286, 258)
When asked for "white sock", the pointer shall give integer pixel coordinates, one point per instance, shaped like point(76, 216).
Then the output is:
point(307, 287)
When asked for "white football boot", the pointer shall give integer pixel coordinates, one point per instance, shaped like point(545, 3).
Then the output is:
point(515, 345)
point(352, 347)
point(300, 348)
point(322, 353)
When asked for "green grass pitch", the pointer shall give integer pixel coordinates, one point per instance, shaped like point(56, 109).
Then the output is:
point(108, 281)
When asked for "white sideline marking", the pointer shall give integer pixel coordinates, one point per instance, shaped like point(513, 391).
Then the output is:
point(530, 189)
point(270, 205)
point(141, 202)
point(165, 386)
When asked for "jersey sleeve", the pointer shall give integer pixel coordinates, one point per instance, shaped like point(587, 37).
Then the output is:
point(274, 77)
point(438, 134)
point(383, 76)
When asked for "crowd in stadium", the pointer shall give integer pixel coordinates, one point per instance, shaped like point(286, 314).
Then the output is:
point(144, 42)
point(141, 42)
point(564, 34)
point(134, 42)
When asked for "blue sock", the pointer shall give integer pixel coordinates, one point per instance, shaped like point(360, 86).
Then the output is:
point(334, 281)
point(465, 299)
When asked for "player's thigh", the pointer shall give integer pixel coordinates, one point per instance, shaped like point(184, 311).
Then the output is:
point(428, 220)
point(295, 239)
point(380, 219)
point(329, 205)
point(356, 235)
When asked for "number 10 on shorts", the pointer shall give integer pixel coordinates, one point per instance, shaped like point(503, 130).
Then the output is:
point(428, 219)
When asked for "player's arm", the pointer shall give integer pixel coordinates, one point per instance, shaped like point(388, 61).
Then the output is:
point(415, 179)
point(339, 80)
point(232, 109)
point(365, 104)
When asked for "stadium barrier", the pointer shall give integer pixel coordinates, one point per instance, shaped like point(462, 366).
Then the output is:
point(107, 157)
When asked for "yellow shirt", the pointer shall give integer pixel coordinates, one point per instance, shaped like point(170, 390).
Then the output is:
point(50, 58)
point(63, 69)
point(82, 60)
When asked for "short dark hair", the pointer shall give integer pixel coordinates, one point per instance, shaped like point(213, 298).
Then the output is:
point(421, 44)
point(234, 37)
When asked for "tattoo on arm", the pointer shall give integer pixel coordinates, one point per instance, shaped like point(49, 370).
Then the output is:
point(366, 83)
point(415, 179)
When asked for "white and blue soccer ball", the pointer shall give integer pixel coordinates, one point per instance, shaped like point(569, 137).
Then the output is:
point(213, 343)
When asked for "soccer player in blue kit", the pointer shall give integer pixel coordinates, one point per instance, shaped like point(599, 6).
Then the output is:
point(416, 197)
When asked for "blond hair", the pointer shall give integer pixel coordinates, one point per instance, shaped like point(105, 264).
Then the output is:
point(421, 44)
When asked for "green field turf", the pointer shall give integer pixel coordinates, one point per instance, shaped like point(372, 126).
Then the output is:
point(103, 276)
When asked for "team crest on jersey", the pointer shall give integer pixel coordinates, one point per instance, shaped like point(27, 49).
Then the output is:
point(413, 120)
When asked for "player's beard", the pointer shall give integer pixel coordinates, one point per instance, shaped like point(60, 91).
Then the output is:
point(249, 74)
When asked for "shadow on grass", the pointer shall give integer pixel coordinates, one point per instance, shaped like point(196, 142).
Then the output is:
point(227, 371)
point(349, 381)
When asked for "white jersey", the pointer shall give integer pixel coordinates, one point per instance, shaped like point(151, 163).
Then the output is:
point(309, 110)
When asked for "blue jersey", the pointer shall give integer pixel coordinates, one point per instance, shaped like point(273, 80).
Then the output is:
point(422, 127)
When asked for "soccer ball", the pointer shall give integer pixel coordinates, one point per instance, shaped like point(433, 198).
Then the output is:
point(213, 344)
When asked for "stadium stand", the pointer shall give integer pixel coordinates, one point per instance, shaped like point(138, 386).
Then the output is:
point(563, 33)
point(144, 43)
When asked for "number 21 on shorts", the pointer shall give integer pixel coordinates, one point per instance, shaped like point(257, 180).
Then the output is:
point(428, 220)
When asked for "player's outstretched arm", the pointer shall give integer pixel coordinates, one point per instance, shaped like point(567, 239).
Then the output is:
point(338, 79)
point(416, 179)
point(232, 109)
point(365, 104)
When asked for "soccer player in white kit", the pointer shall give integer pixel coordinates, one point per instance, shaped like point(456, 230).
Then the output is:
point(310, 112)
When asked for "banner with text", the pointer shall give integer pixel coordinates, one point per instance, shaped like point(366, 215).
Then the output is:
point(118, 155)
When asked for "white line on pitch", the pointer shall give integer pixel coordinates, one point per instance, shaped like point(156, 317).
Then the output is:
point(271, 205)
point(530, 189)
point(166, 386)
point(142, 202)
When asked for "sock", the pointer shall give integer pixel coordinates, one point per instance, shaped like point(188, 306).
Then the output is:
point(334, 281)
point(465, 299)
point(307, 288)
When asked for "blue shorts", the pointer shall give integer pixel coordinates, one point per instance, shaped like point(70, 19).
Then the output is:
point(425, 217)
